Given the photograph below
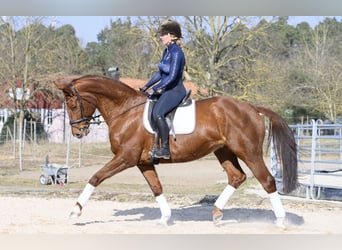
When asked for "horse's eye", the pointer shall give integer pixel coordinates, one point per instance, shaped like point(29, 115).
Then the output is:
point(71, 103)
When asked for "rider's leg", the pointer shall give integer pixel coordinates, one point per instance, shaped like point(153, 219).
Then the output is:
point(163, 128)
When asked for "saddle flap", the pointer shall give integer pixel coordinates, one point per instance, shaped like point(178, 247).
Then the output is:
point(184, 120)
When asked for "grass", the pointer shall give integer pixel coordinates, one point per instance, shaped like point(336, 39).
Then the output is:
point(88, 154)
point(34, 155)
point(25, 182)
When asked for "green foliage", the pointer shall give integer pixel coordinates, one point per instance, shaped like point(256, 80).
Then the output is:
point(261, 60)
point(39, 127)
point(120, 45)
point(299, 114)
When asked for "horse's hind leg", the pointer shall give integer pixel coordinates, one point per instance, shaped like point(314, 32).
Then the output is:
point(235, 175)
point(260, 171)
point(151, 176)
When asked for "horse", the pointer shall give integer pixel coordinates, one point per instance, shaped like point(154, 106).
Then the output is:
point(229, 128)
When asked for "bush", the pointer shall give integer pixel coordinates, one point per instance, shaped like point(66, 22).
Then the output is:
point(40, 132)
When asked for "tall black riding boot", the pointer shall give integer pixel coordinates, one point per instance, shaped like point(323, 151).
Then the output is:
point(164, 150)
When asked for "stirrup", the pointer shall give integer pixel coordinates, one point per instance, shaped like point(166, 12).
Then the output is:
point(162, 153)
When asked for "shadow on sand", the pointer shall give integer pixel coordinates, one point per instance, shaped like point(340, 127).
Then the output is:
point(202, 212)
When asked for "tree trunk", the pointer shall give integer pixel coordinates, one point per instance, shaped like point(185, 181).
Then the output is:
point(20, 139)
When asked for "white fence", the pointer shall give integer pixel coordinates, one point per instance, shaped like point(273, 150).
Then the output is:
point(319, 160)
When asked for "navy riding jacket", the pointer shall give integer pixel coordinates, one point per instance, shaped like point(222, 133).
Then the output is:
point(170, 75)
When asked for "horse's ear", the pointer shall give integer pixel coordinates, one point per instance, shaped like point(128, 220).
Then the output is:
point(63, 85)
point(59, 85)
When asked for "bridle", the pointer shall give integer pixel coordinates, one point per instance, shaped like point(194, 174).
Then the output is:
point(87, 120)
point(84, 118)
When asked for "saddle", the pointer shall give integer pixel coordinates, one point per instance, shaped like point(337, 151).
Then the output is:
point(181, 120)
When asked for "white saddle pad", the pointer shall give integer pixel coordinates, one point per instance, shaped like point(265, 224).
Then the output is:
point(184, 121)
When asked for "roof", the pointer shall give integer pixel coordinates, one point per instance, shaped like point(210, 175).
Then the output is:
point(43, 98)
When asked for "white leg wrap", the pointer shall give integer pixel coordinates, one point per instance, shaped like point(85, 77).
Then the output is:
point(224, 196)
point(277, 205)
point(164, 207)
point(85, 195)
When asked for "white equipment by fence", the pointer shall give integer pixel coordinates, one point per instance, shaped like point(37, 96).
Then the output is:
point(53, 173)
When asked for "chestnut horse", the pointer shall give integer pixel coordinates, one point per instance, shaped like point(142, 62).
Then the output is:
point(230, 128)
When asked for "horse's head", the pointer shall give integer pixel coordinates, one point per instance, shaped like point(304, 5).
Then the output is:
point(80, 107)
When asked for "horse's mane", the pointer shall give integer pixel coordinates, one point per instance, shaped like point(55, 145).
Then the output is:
point(96, 78)
point(91, 76)
point(104, 79)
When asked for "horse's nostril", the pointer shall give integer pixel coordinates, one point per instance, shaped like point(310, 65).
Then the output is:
point(77, 135)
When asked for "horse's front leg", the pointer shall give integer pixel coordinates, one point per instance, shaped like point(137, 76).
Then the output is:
point(113, 167)
point(151, 176)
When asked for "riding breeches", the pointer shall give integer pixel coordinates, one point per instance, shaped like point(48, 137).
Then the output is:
point(167, 102)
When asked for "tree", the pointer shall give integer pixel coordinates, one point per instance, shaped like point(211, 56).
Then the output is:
point(223, 54)
point(319, 62)
point(65, 53)
point(122, 45)
point(16, 52)
point(31, 52)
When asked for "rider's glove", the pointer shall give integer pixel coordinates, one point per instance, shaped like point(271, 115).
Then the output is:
point(154, 96)
point(143, 89)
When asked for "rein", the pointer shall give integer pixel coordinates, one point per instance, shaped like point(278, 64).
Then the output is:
point(124, 112)
point(88, 119)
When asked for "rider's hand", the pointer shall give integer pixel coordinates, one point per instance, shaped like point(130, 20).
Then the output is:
point(153, 95)
point(159, 91)
point(149, 92)
point(143, 89)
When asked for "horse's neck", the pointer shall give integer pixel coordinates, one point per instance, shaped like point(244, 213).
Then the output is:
point(113, 101)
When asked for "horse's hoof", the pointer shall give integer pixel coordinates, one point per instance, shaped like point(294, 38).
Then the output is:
point(164, 221)
point(280, 223)
point(217, 215)
point(75, 213)
point(217, 219)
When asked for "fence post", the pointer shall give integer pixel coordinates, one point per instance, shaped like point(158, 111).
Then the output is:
point(14, 135)
point(68, 149)
point(313, 156)
point(35, 138)
point(24, 134)
point(80, 152)
point(340, 142)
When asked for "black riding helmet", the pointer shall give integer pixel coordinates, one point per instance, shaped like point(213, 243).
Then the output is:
point(171, 27)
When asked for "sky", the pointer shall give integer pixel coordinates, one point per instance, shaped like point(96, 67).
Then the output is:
point(88, 27)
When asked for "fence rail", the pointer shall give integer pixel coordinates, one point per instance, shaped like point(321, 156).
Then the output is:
point(319, 158)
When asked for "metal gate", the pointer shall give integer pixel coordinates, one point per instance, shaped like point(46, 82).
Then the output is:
point(319, 160)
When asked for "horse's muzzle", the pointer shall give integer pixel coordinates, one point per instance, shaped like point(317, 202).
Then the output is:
point(80, 132)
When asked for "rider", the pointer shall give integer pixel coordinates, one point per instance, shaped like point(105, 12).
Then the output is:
point(170, 85)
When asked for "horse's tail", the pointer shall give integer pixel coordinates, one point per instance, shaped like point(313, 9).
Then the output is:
point(285, 148)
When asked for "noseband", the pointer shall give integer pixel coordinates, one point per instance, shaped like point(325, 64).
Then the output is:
point(83, 118)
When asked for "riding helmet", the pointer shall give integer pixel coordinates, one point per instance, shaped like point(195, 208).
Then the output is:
point(171, 27)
